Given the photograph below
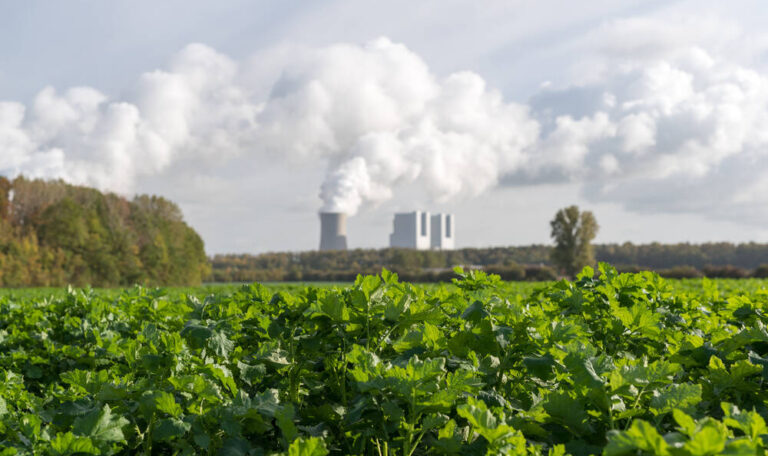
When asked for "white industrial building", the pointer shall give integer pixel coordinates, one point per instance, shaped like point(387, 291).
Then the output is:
point(418, 230)
point(442, 232)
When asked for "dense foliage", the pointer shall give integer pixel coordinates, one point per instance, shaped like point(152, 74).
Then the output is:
point(723, 260)
point(573, 232)
point(619, 364)
point(52, 233)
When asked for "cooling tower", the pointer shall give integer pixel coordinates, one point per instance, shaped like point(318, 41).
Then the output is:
point(333, 231)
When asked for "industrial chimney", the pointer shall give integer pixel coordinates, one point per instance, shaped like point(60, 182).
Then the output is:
point(333, 231)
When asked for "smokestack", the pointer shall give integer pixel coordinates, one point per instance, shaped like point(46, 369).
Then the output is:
point(333, 231)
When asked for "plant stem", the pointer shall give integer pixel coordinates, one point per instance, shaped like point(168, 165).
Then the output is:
point(634, 405)
point(416, 444)
point(148, 436)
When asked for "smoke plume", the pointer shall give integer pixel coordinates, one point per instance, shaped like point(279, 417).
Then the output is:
point(649, 125)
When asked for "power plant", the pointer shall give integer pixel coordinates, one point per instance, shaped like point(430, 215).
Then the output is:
point(442, 232)
point(333, 231)
point(411, 230)
point(418, 230)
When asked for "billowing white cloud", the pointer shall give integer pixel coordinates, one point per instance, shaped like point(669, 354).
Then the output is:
point(664, 120)
point(682, 128)
point(374, 114)
point(193, 110)
point(381, 117)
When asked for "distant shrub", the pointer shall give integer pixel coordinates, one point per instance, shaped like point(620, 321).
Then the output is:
point(630, 268)
point(445, 276)
point(512, 273)
point(761, 272)
point(680, 272)
point(724, 272)
point(540, 273)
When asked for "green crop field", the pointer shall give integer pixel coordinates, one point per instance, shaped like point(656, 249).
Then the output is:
point(616, 364)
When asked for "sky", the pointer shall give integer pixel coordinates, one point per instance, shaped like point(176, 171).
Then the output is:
point(255, 115)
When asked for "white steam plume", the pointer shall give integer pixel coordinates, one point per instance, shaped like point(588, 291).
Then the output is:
point(380, 117)
point(660, 123)
point(375, 114)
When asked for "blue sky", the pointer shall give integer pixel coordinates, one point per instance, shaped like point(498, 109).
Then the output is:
point(649, 113)
point(107, 44)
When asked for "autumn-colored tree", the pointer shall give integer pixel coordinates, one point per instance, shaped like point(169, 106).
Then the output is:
point(55, 234)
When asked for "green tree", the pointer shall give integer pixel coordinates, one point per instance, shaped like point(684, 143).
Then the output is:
point(53, 233)
point(573, 232)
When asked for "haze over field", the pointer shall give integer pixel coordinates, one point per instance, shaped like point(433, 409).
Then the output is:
point(653, 115)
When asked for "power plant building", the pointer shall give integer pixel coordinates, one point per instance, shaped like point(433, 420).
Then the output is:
point(333, 231)
point(442, 232)
point(418, 230)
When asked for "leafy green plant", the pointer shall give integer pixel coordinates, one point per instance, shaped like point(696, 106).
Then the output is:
point(609, 363)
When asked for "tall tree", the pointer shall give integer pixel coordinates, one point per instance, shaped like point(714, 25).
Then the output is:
point(573, 232)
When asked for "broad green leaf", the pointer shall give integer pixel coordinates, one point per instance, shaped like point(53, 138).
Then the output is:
point(251, 374)
point(169, 429)
point(219, 344)
point(686, 423)
point(68, 443)
point(284, 417)
point(478, 415)
point(568, 411)
point(410, 340)
point(751, 423)
point(310, 446)
point(540, 366)
point(267, 403)
point(30, 426)
point(640, 436)
point(709, 439)
point(234, 446)
point(475, 312)
point(196, 335)
point(165, 402)
point(101, 426)
point(742, 447)
point(501, 437)
point(682, 396)
point(332, 306)
point(394, 309)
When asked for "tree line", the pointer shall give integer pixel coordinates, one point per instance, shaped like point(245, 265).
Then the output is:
point(53, 234)
point(572, 232)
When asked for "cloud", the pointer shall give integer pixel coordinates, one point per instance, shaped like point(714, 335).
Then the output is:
point(663, 120)
point(374, 114)
point(682, 128)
